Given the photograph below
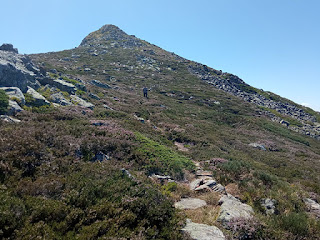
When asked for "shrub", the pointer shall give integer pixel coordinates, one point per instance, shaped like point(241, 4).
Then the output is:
point(296, 223)
point(4, 102)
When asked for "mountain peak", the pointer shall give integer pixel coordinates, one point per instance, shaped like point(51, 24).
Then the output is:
point(110, 34)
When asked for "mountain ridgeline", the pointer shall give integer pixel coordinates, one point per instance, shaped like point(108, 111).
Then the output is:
point(85, 155)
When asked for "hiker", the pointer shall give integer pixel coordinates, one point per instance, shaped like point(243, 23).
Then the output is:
point(145, 92)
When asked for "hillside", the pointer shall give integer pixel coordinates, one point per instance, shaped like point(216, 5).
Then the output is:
point(91, 157)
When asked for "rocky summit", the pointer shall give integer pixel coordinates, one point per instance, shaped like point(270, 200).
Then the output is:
point(120, 139)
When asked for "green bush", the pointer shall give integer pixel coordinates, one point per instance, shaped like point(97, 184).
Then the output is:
point(4, 102)
point(296, 223)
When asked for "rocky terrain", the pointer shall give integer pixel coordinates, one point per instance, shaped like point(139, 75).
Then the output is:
point(83, 155)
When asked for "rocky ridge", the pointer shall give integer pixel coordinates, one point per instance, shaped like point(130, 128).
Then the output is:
point(237, 87)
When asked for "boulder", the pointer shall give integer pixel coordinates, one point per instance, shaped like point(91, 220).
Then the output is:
point(14, 108)
point(81, 102)
point(39, 100)
point(190, 203)
point(100, 157)
point(312, 206)
point(9, 119)
point(60, 99)
point(14, 93)
point(232, 208)
point(269, 205)
point(107, 107)
point(257, 145)
point(8, 48)
point(202, 231)
point(100, 84)
point(64, 86)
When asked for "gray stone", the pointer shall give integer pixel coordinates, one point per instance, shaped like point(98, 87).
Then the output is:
point(17, 70)
point(100, 84)
point(14, 92)
point(107, 107)
point(202, 231)
point(8, 48)
point(232, 208)
point(94, 96)
point(190, 203)
point(257, 145)
point(39, 100)
point(60, 99)
point(160, 177)
point(269, 205)
point(312, 206)
point(14, 108)
point(9, 119)
point(65, 86)
point(81, 102)
point(100, 157)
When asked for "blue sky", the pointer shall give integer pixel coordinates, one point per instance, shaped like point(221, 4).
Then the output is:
point(271, 44)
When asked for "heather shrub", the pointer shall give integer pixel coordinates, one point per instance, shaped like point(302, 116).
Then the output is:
point(246, 228)
point(296, 223)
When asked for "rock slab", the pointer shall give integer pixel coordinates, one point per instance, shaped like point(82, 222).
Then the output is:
point(190, 203)
point(202, 231)
point(233, 208)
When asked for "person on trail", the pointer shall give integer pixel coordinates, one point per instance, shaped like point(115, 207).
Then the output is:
point(145, 92)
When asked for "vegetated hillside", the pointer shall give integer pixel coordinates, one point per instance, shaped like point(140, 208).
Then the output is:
point(195, 120)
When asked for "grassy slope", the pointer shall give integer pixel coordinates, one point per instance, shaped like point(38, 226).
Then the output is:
point(181, 108)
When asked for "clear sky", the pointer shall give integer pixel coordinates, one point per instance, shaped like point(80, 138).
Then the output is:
point(271, 44)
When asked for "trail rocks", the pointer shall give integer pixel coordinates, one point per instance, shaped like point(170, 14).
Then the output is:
point(190, 203)
point(202, 231)
point(232, 208)
point(39, 100)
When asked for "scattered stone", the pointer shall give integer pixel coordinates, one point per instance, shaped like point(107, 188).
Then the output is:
point(190, 203)
point(94, 96)
point(60, 99)
point(257, 145)
point(6, 118)
point(202, 231)
point(14, 92)
point(39, 100)
point(139, 118)
point(81, 102)
point(160, 177)
point(126, 172)
point(100, 84)
point(269, 205)
point(107, 107)
point(232, 208)
point(201, 173)
point(100, 157)
point(312, 206)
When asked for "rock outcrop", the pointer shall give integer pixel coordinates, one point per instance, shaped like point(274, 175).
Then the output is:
point(39, 100)
point(14, 93)
point(237, 87)
point(17, 70)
